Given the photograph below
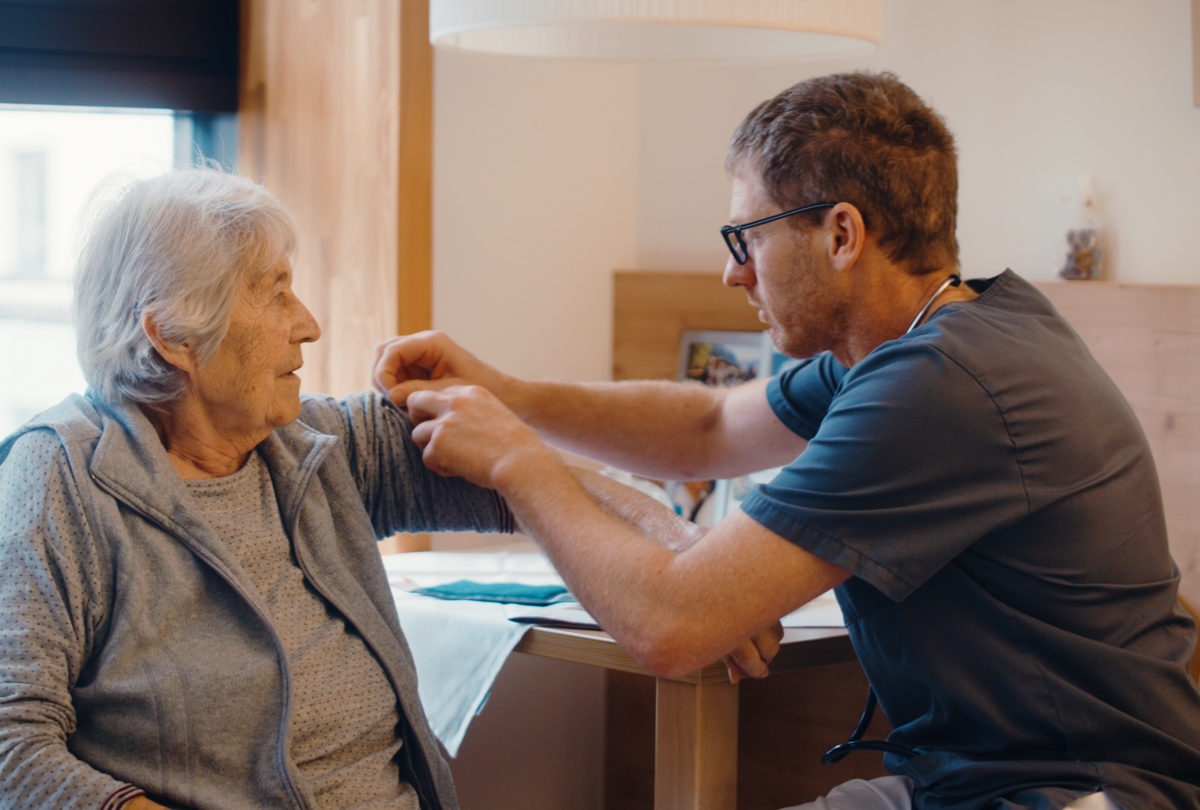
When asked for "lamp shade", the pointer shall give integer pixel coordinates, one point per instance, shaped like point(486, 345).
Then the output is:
point(638, 30)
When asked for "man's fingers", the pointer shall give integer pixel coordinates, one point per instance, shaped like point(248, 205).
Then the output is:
point(400, 393)
point(423, 406)
point(767, 640)
point(421, 434)
point(417, 356)
point(746, 658)
point(753, 656)
point(735, 672)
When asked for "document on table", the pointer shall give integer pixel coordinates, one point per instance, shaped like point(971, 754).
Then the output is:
point(564, 614)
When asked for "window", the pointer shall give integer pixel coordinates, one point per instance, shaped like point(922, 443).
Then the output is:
point(51, 160)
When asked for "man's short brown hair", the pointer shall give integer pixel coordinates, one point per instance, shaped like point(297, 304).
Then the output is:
point(866, 139)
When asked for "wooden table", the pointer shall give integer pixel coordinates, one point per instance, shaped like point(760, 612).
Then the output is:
point(696, 716)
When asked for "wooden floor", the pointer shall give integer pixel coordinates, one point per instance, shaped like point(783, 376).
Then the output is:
point(785, 723)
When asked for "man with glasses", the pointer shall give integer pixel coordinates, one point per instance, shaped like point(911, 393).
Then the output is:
point(957, 466)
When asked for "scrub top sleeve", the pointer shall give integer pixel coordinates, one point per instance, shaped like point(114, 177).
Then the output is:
point(801, 394)
point(911, 464)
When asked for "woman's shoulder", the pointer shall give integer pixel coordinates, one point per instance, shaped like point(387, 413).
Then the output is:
point(75, 419)
point(34, 474)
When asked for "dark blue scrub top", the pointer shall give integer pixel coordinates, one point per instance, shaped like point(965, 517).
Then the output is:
point(1013, 600)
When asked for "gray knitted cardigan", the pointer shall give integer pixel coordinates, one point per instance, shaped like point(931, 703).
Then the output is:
point(133, 650)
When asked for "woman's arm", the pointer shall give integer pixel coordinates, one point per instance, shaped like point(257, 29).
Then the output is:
point(52, 587)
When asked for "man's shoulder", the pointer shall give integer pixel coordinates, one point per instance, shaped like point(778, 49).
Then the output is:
point(1010, 335)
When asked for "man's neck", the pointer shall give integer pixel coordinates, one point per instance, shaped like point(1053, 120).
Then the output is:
point(888, 300)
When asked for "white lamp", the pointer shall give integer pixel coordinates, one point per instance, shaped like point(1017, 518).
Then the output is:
point(707, 30)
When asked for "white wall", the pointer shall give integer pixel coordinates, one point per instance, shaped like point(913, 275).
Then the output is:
point(534, 183)
point(1037, 92)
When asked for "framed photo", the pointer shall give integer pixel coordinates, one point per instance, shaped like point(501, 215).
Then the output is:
point(724, 359)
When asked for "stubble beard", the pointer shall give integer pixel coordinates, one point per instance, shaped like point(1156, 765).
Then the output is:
point(815, 314)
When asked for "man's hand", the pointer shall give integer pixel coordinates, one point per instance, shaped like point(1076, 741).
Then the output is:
point(466, 431)
point(751, 657)
point(428, 361)
point(141, 803)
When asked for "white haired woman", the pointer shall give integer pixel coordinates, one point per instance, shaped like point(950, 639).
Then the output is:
point(193, 611)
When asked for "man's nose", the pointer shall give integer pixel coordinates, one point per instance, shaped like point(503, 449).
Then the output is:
point(738, 275)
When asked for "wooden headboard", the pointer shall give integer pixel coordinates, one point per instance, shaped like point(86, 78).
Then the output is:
point(1147, 337)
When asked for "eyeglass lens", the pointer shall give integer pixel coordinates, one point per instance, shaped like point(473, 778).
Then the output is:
point(736, 245)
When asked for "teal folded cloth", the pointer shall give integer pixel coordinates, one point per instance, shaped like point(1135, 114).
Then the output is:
point(513, 593)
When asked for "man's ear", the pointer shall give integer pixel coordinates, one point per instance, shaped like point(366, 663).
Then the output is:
point(177, 354)
point(847, 235)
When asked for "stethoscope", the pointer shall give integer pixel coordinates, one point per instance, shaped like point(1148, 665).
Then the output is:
point(856, 742)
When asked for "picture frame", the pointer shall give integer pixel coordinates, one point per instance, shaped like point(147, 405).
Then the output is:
point(722, 359)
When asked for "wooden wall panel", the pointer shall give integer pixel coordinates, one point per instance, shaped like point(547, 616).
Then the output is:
point(320, 126)
point(651, 308)
point(331, 126)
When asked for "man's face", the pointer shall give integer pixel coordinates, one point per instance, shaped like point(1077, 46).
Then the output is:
point(787, 275)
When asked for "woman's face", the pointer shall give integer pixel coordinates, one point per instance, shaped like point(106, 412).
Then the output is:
point(250, 385)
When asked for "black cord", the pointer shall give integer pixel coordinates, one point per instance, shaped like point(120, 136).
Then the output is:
point(857, 743)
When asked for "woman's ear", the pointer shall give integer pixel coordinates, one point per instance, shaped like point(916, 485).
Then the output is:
point(177, 354)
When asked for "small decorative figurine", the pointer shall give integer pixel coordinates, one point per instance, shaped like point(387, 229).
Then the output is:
point(1083, 238)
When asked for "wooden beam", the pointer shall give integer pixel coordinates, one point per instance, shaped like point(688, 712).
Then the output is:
point(414, 265)
point(416, 169)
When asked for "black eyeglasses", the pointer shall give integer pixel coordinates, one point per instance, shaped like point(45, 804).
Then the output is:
point(733, 233)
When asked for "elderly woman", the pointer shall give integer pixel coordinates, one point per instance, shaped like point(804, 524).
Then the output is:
point(192, 605)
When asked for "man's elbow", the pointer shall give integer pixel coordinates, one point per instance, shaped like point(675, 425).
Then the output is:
point(666, 653)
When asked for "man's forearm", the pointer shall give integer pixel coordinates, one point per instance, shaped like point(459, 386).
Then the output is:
point(658, 429)
point(639, 511)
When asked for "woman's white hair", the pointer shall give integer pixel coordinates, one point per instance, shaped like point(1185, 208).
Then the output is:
point(175, 246)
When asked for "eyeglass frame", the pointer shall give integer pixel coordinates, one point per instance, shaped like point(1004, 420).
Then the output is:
point(736, 230)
